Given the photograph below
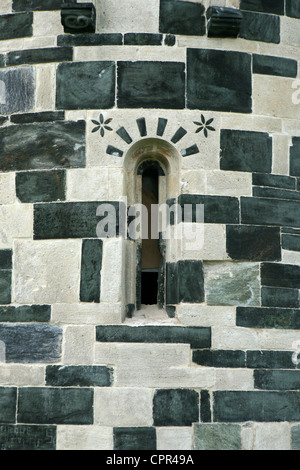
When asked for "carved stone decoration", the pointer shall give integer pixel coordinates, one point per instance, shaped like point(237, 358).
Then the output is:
point(223, 22)
point(78, 18)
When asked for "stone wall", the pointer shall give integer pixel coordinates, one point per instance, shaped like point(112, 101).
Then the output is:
point(220, 370)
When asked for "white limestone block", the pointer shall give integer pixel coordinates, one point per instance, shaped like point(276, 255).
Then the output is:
point(84, 438)
point(174, 438)
point(16, 221)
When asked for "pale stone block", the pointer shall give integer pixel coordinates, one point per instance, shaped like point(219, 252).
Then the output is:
point(78, 347)
point(281, 154)
point(16, 221)
point(5, 7)
point(228, 183)
point(129, 53)
point(77, 115)
point(112, 273)
point(22, 375)
point(235, 338)
point(203, 242)
point(174, 438)
point(289, 31)
point(11, 45)
point(87, 184)
point(7, 188)
point(229, 44)
point(272, 96)
point(47, 272)
point(247, 434)
point(45, 87)
point(272, 436)
point(116, 184)
point(251, 123)
point(193, 182)
point(280, 340)
point(139, 16)
point(84, 438)
point(39, 42)
point(290, 257)
point(123, 407)
point(87, 313)
point(205, 315)
point(234, 379)
point(47, 23)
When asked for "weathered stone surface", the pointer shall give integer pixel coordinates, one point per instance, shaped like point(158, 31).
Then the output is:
point(8, 399)
point(5, 259)
point(294, 157)
point(269, 211)
point(217, 209)
point(19, 89)
point(91, 263)
point(205, 406)
point(55, 405)
point(265, 6)
point(135, 438)
point(46, 116)
point(260, 406)
point(26, 437)
point(151, 85)
point(41, 186)
point(31, 343)
point(270, 360)
point(292, 8)
point(246, 151)
point(280, 275)
point(79, 376)
point(43, 146)
point(16, 26)
point(139, 39)
point(175, 407)
point(273, 181)
point(177, 17)
point(5, 286)
point(290, 242)
point(39, 56)
point(219, 358)
point(260, 27)
point(273, 317)
point(219, 80)
point(250, 243)
point(269, 65)
point(197, 337)
point(37, 5)
point(85, 85)
point(277, 379)
point(190, 281)
point(277, 297)
point(217, 437)
point(25, 313)
point(113, 39)
point(232, 283)
point(296, 437)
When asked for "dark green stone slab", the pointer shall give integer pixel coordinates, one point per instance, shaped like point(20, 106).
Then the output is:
point(172, 293)
point(260, 406)
point(265, 6)
point(205, 406)
point(31, 343)
point(39, 56)
point(38, 5)
point(135, 438)
point(14, 26)
point(19, 92)
point(292, 8)
point(279, 297)
point(25, 313)
point(41, 186)
point(291, 242)
point(268, 211)
point(218, 437)
point(217, 209)
point(5, 259)
point(252, 243)
point(83, 39)
point(151, 85)
point(69, 220)
point(219, 80)
point(276, 193)
point(91, 263)
point(190, 281)
point(5, 286)
point(277, 379)
point(177, 17)
point(294, 157)
point(85, 85)
point(270, 360)
point(279, 66)
point(43, 146)
point(246, 151)
point(143, 39)
point(197, 337)
point(175, 407)
point(8, 401)
point(280, 275)
point(273, 181)
point(268, 317)
point(260, 27)
point(46, 116)
point(79, 376)
point(219, 358)
point(26, 437)
point(55, 405)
